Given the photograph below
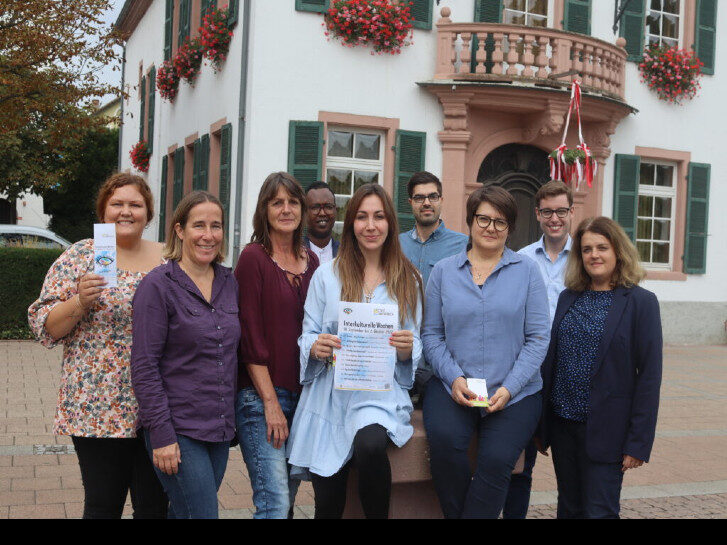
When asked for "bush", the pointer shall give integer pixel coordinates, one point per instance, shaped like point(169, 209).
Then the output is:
point(22, 271)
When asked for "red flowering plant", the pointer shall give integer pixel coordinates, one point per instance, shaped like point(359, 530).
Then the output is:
point(140, 156)
point(167, 80)
point(671, 72)
point(384, 24)
point(215, 36)
point(188, 60)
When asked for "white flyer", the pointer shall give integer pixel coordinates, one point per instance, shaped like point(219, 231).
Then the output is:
point(479, 388)
point(365, 360)
point(104, 252)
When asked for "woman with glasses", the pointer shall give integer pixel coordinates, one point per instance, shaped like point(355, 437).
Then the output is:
point(486, 317)
point(273, 273)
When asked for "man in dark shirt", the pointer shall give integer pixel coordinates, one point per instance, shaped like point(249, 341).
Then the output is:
point(320, 220)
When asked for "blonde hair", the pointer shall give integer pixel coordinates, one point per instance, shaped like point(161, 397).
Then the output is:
point(173, 246)
point(628, 272)
point(403, 281)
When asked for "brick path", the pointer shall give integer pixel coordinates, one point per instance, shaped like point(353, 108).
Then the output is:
point(687, 477)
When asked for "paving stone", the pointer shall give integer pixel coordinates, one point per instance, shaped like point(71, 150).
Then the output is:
point(49, 511)
point(48, 483)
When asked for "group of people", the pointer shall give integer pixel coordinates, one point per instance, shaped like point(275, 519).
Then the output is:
point(184, 357)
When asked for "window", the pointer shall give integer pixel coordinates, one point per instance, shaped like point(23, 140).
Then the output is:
point(663, 20)
point(354, 157)
point(656, 214)
point(526, 12)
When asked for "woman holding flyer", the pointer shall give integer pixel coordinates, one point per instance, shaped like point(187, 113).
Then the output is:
point(184, 358)
point(96, 403)
point(486, 317)
point(332, 426)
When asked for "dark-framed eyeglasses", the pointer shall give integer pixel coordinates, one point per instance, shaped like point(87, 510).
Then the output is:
point(328, 207)
point(419, 199)
point(547, 213)
point(485, 221)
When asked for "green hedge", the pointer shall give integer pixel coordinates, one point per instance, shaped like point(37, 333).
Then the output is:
point(22, 271)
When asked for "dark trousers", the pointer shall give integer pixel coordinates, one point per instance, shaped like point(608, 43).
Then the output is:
point(518, 495)
point(502, 437)
point(374, 478)
point(586, 489)
point(111, 468)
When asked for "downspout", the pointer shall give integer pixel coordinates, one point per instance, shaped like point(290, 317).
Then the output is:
point(121, 98)
point(242, 120)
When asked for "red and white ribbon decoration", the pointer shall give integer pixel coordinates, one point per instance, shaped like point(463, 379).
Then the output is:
point(578, 171)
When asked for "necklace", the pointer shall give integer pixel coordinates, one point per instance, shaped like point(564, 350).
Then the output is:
point(369, 294)
point(481, 274)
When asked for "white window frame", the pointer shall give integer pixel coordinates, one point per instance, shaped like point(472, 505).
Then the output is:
point(352, 163)
point(680, 38)
point(550, 14)
point(664, 192)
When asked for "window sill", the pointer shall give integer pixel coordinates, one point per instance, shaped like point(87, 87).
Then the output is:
point(666, 275)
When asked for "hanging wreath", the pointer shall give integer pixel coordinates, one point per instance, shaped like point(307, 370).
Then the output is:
point(215, 36)
point(573, 165)
point(167, 80)
point(140, 156)
point(672, 73)
point(188, 60)
point(386, 25)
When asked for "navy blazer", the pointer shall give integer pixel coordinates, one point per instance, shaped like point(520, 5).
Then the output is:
point(336, 244)
point(625, 378)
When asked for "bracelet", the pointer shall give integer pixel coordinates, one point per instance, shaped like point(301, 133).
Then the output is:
point(78, 303)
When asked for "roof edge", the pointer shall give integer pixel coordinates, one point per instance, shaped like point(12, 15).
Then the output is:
point(130, 15)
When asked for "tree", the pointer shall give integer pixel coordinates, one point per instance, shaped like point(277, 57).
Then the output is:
point(50, 54)
point(72, 205)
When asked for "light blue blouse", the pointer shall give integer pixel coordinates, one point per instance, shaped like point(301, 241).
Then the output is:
point(499, 332)
point(326, 420)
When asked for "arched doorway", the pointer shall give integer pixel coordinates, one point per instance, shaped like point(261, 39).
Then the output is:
point(521, 170)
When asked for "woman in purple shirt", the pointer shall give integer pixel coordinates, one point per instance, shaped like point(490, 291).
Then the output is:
point(273, 273)
point(186, 334)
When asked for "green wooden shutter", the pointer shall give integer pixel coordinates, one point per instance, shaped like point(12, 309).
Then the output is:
point(626, 192)
point(142, 109)
point(163, 200)
point(577, 17)
point(178, 177)
point(196, 165)
point(410, 150)
point(486, 11)
point(226, 171)
point(233, 10)
point(695, 247)
point(168, 28)
point(633, 26)
point(206, 6)
point(319, 6)
point(184, 20)
point(706, 33)
point(305, 151)
point(204, 162)
point(421, 11)
point(150, 119)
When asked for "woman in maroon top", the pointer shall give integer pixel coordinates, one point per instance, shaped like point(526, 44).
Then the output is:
point(273, 273)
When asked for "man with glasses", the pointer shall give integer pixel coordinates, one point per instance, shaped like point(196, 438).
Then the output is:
point(321, 217)
point(554, 212)
point(427, 243)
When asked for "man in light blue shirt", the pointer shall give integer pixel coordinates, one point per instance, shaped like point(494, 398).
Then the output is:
point(428, 243)
point(554, 212)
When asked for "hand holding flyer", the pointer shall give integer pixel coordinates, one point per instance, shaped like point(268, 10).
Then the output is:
point(479, 387)
point(104, 252)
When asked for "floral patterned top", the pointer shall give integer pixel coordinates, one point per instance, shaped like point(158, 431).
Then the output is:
point(95, 398)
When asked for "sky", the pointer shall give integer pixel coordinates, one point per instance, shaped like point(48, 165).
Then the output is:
point(107, 75)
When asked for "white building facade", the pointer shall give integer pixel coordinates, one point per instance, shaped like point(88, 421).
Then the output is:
point(471, 100)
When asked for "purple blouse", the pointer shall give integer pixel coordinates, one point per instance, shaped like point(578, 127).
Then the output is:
point(184, 355)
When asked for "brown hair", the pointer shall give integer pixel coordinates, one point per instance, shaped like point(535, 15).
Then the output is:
point(173, 246)
point(499, 198)
point(553, 189)
point(120, 179)
point(628, 270)
point(269, 190)
point(403, 281)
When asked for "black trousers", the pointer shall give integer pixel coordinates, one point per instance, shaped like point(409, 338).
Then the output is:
point(374, 478)
point(111, 468)
point(586, 489)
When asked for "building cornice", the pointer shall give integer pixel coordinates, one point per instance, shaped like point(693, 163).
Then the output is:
point(130, 15)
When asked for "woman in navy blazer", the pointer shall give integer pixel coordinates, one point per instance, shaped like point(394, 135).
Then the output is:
point(602, 374)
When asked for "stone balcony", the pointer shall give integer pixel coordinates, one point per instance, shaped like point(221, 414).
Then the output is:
point(528, 56)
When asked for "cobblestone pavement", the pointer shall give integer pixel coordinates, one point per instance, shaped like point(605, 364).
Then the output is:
point(687, 477)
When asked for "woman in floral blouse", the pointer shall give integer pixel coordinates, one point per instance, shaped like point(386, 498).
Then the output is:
point(96, 403)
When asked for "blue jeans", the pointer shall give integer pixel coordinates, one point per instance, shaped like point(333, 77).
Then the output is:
point(502, 436)
point(192, 491)
point(273, 491)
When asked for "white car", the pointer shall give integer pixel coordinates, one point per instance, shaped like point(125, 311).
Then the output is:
point(19, 236)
